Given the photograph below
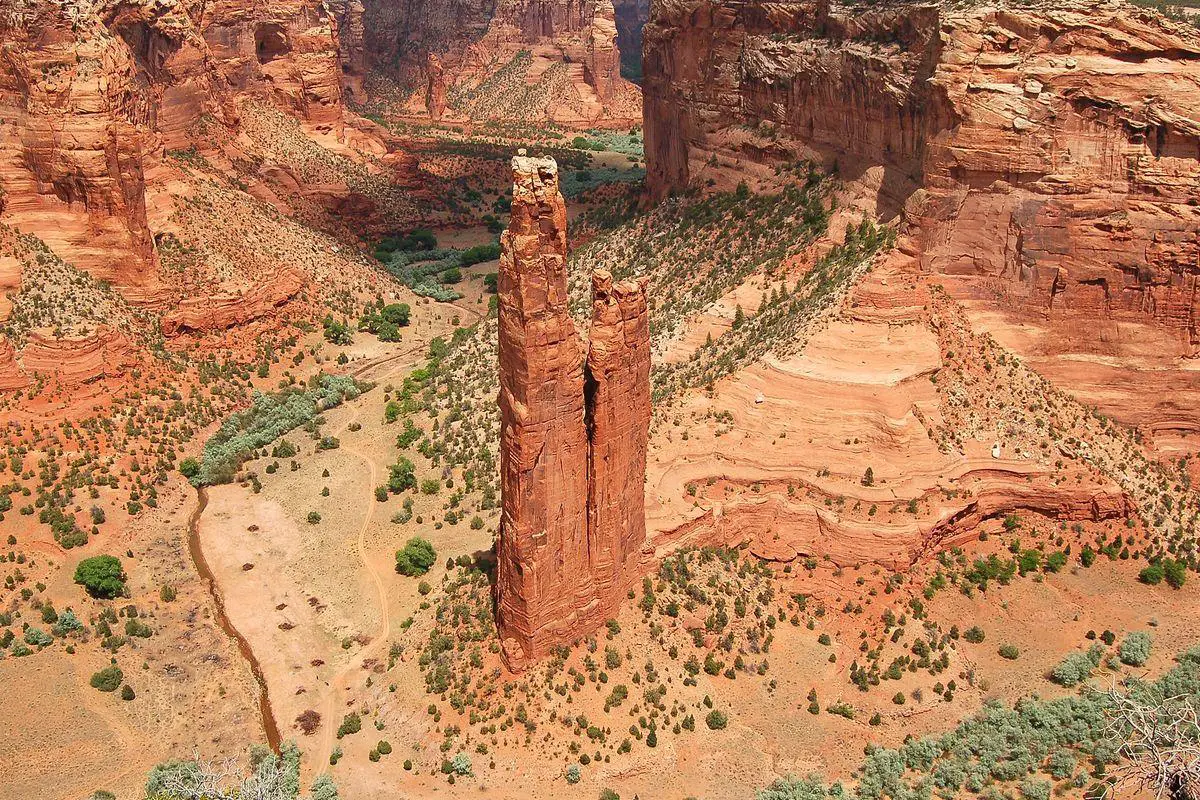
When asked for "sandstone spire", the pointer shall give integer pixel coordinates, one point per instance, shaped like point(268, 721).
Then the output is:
point(573, 432)
point(617, 394)
point(435, 87)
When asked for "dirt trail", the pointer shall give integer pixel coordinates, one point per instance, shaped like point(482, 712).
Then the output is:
point(329, 715)
point(270, 728)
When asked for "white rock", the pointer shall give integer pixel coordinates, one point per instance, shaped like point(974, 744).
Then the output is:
point(758, 398)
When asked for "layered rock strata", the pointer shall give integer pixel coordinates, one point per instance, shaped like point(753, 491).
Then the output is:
point(1053, 152)
point(435, 87)
point(564, 55)
point(574, 426)
point(90, 98)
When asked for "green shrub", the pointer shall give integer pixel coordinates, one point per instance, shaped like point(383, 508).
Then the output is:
point(1135, 649)
point(716, 720)
point(974, 635)
point(790, 788)
point(1035, 789)
point(127, 693)
point(1009, 651)
point(401, 475)
point(36, 637)
point(101, 576)
point(1077, 667)
point(416, 558)
point(67, 622)
point(1175, 573)
point(1152, 575)
point(108, 679)
point(269, 417)
point(574, 774)
point(351, 724)
point(479, 254)
point(396, 313)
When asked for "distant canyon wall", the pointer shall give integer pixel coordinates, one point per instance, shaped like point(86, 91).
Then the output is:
point(1054, 151)
point(90, 100)
point(471, 40)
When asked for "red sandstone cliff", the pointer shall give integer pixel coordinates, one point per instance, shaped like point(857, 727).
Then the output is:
point(573, 433)
point(1055, 150)
point(618, 418)
point(567, 50)
point(542, 551)
point(435, 89)
point(89, 100)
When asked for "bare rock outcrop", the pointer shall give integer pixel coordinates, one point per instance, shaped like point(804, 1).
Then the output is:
point(91, 96)
point(574, 426)
point(435, 87)
point(1050, 151)
point(73, 361)
point(618, 417)
point(226, 309)
point(569, 51)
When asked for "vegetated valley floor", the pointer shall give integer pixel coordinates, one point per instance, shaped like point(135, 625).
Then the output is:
point(873, 519)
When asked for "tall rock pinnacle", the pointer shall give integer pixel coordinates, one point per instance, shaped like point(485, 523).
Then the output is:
point(573, 432)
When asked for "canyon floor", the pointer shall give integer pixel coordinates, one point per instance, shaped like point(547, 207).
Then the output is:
point(880, 501)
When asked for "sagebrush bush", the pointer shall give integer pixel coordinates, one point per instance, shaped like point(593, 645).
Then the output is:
point(1135, 650)
point(1077, 667)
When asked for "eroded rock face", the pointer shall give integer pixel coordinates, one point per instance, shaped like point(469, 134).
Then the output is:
point(227, 309)
point(1054, 152)
point(568, 49)
point(89, 99)
point(435, 87)
point(573, 432)
point(618, 418)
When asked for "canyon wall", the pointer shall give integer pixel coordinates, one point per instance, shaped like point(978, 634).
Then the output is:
point(1051, 153)
point(574, 427)
point(563, 54)
point(89, 100)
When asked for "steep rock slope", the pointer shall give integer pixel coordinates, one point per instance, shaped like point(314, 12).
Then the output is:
point(117, 118)
point(1044, 161)
point(542, 59)
point(91, 95)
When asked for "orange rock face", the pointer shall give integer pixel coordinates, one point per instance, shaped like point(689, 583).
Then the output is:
point(1054, 151)
point(226, 309)
point(105, 353)
point(573, 433)
point(618, 417)
point(435, 87)
point(88, 101)
point(569, 49)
